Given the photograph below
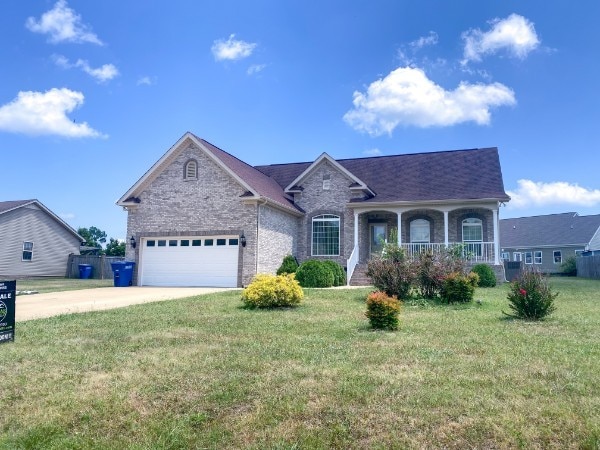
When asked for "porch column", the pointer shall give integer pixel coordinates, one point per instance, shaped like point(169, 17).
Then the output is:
point(356, 235)
point(446, 228)
point(399, 214)
point(496, 237)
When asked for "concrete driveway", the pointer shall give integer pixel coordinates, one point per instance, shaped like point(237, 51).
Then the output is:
point(37, 306)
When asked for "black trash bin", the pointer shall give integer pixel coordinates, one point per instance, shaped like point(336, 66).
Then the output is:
point(122, 273)
point(85, 271)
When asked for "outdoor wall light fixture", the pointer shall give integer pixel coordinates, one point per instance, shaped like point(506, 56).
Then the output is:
point(132, 242)
point(243, 240)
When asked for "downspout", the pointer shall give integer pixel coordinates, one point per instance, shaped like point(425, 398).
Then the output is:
point(257, 227)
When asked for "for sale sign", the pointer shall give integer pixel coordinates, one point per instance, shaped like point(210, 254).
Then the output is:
point(8, 291)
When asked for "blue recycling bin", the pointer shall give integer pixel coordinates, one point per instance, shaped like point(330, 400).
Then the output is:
point(85, 271)
point(122, 273)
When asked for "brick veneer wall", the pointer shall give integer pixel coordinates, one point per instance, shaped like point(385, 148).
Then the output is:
point(210, 204)
point(277, 237)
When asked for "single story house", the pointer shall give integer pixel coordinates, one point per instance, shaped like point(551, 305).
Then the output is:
point(202, 217)
point(546, 241)
point(34, 242)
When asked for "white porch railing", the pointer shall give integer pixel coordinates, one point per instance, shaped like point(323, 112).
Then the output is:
point(472, 251)
point(351, 265)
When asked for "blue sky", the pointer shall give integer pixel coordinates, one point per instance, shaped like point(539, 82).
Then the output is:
point(93, 93)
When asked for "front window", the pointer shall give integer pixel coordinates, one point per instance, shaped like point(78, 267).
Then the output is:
point(419, 231)
point(326, 235)
point(27, 251)
point(472, 231)
point(557, 254)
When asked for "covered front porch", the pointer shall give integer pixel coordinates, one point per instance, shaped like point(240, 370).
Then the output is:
point(474, 228)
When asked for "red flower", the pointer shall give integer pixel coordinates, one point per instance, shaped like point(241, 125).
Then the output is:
point(523, 292)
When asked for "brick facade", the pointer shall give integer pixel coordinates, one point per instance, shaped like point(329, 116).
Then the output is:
point(277, 237)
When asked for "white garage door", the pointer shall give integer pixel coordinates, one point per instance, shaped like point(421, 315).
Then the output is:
point(190, 261)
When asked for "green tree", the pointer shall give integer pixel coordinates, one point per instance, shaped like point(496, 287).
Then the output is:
point(115, 248)
point(94, 237)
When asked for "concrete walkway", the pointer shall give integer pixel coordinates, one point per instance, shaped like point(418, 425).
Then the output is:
point(37, 306)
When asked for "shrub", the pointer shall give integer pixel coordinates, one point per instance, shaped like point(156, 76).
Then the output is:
point(339, 276)
point(268, 291)
point(569, 266)
point(530, 296)
point(459, 288)
point(382, 311)
point(289, 265)
point(487, 277)
point(315, 274)
point(394, 277)
point(430, 273)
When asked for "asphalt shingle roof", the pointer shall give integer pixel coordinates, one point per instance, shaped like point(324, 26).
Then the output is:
point(12, 204)
point(457, 174)
point(553, 229)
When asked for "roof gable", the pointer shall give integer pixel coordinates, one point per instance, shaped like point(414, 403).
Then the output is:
point(357, 183)
point(12, 205)
point(257, 184)
point(546, 230)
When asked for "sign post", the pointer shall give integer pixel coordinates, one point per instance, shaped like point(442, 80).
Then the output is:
point(8, 291)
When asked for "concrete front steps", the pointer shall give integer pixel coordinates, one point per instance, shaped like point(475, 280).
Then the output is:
point(359, 277)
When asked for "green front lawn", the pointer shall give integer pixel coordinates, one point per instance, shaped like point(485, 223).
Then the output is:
point(204, 373)
point(55, 284)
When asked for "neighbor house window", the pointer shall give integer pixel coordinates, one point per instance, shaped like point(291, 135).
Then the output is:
point(557, 255)
point(419, 231)
point(528, 258)
point(505, 256)
point(537, 257)
point(472, 232)
point(517, 256)
point(27, 251)
point(326, 235)
point(191, 170)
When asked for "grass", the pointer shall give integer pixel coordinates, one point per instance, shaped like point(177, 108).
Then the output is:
point(203, 372)
point(52, 284)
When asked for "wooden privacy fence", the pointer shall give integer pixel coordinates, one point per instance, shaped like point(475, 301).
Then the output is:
point(588, 266)
point(101, 265)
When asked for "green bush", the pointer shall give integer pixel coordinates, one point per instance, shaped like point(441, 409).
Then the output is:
point(269, 291)
point(459, 288)
point(487, 277)
point(289, 265)
point(569, 266)
point(339, 276)
point(530, 296)
point(392, 276)
point(315, 274)
point(382, 311)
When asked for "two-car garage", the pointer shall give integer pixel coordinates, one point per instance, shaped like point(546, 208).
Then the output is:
point(189, 261)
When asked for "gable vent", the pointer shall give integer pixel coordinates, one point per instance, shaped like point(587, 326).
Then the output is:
point(191, 170)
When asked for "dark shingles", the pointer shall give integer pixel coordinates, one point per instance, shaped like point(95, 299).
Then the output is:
point(12, 204)
point(552, 229)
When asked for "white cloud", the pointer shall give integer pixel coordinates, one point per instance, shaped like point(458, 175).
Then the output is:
point(146, 81)
point(101, 74)
point(424, 41)
point(531, 193)
point(45, 113)
point(231, 49)
point(373, 152)
point(407, 97)
point(255, 68)
point(515, 34)
point(62, 24)
point(67, 216)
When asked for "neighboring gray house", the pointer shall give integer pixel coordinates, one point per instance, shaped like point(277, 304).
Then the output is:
point(546, 241)
point(199, 216)
point(34, 242)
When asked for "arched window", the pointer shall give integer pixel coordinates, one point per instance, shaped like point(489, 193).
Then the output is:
point(326, 235)
point(420, 231)
point(190, 171)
